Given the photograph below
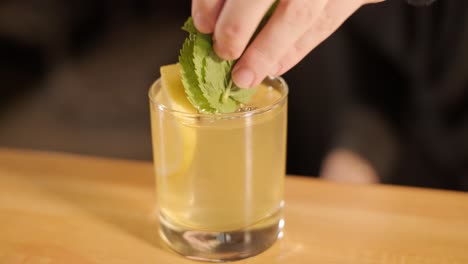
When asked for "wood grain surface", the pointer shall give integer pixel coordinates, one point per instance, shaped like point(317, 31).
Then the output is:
point(62, 208)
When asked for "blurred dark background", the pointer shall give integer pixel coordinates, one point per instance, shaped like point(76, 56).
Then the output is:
point(74, 77)
point(74, 74)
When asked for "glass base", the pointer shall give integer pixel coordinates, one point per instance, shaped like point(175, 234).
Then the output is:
point(220, 246)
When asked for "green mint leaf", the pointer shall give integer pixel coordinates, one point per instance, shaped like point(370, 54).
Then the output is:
point(190, 79)
point(206, 77)
point(204, 74)
point(217, 72)
point(202, 48)
point(189, 26)
point(242, 96)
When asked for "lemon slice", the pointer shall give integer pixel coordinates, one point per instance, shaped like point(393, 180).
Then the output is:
point(172, 93)
point(177, 138)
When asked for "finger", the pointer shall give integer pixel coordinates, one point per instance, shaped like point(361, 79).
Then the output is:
point(236, 25)
point(333, 16)
point(289, 22)
point(344, 165)
point(205, 13)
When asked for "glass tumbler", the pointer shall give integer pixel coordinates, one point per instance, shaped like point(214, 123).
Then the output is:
point(220, 177)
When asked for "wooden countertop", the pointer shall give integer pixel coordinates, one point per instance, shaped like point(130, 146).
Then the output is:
point(60, 208)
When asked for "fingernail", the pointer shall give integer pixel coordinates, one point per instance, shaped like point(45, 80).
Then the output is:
point(201, 23)
point(243, 77)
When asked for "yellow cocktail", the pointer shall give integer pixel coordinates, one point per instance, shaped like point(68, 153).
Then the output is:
point(219, 177)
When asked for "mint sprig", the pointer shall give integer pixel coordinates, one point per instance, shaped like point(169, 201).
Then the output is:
point(190, 78)
point(206, 77)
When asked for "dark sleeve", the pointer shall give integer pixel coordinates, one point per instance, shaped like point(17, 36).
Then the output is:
point(420, 2)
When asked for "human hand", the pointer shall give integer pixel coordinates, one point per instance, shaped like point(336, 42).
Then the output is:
point(343, 165)
point(295, 28)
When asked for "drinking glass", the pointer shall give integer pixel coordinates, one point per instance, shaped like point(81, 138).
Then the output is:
point(220, 177)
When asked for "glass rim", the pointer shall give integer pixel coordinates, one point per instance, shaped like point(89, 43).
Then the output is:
point(234, 115)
